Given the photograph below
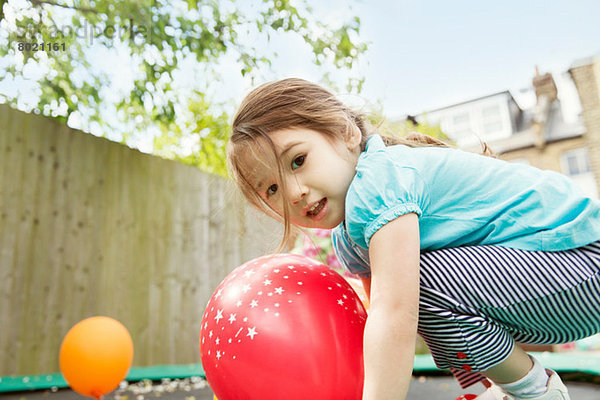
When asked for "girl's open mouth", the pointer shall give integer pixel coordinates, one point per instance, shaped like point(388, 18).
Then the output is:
point(318, 211)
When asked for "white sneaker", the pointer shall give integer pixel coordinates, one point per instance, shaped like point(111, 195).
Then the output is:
point(556, 390)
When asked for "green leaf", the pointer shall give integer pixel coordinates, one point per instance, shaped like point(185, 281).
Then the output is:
point(159, 35)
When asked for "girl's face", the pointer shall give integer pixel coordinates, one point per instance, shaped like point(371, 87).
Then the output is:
point(317, 172)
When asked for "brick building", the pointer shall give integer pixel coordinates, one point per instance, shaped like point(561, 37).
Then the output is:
point(586, 76)
point(538, 136)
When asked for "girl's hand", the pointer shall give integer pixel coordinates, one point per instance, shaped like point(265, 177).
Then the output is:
point(391, 329)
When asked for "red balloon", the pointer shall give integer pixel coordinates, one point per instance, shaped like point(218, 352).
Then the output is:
point(284, 327)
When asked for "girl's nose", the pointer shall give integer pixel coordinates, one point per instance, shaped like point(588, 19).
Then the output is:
point(297, 191)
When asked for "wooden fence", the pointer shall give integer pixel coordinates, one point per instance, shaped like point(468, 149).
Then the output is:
point(92, 227)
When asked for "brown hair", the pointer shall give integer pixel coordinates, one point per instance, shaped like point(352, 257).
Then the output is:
point(296, 103)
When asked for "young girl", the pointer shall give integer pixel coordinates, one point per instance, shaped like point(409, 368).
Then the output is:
point(471, 252)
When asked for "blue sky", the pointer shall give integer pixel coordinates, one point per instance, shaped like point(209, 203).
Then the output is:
point(422, 54)
point(428, 54)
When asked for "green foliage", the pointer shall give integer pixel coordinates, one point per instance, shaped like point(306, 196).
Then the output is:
point(403, 127)
point(204, 133)
point(159, 35)
point(2, 2)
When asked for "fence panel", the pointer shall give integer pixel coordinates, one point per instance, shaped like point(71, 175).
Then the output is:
point(92, 227)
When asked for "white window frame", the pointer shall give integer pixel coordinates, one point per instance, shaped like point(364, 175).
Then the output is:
point(582, 159)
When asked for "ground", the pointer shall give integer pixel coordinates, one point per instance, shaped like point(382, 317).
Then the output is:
point(421, 388)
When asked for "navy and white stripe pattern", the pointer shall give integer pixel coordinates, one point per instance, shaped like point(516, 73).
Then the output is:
point(476, 302)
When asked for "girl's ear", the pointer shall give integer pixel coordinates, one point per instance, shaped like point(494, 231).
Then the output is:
point(354, 138)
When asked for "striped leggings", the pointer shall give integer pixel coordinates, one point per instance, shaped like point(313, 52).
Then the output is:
point(476, 302)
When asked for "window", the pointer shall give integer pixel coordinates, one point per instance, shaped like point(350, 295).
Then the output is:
point(492, 120)
point(461, 125)
point(493, 127)
point(461, 119)
point(575, 162)
point(491, 111)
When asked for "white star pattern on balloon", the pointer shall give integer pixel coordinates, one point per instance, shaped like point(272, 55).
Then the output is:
point(251, 311)
point(219, 315)
point(252, 332)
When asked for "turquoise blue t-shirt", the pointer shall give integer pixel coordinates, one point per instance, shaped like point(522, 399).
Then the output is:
point(462, 199)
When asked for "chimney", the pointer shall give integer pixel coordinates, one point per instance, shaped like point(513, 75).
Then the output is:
point(544, 86)
point(546, 93)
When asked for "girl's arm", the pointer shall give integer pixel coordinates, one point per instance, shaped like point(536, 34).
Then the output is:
point(391, 328)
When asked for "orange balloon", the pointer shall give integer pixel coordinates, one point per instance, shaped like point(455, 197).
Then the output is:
point(96, 355)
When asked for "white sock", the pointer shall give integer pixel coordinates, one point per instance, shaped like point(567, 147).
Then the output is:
point(531, 385)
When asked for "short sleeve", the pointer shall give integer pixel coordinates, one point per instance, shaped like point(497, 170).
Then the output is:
point(382, 190)
point(353, 258)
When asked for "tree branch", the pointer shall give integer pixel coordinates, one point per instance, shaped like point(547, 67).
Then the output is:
point(52, 3)
point(2, 9)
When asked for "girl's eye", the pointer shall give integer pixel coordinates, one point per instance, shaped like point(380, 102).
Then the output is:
point(272, 190)
point(298, 161)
